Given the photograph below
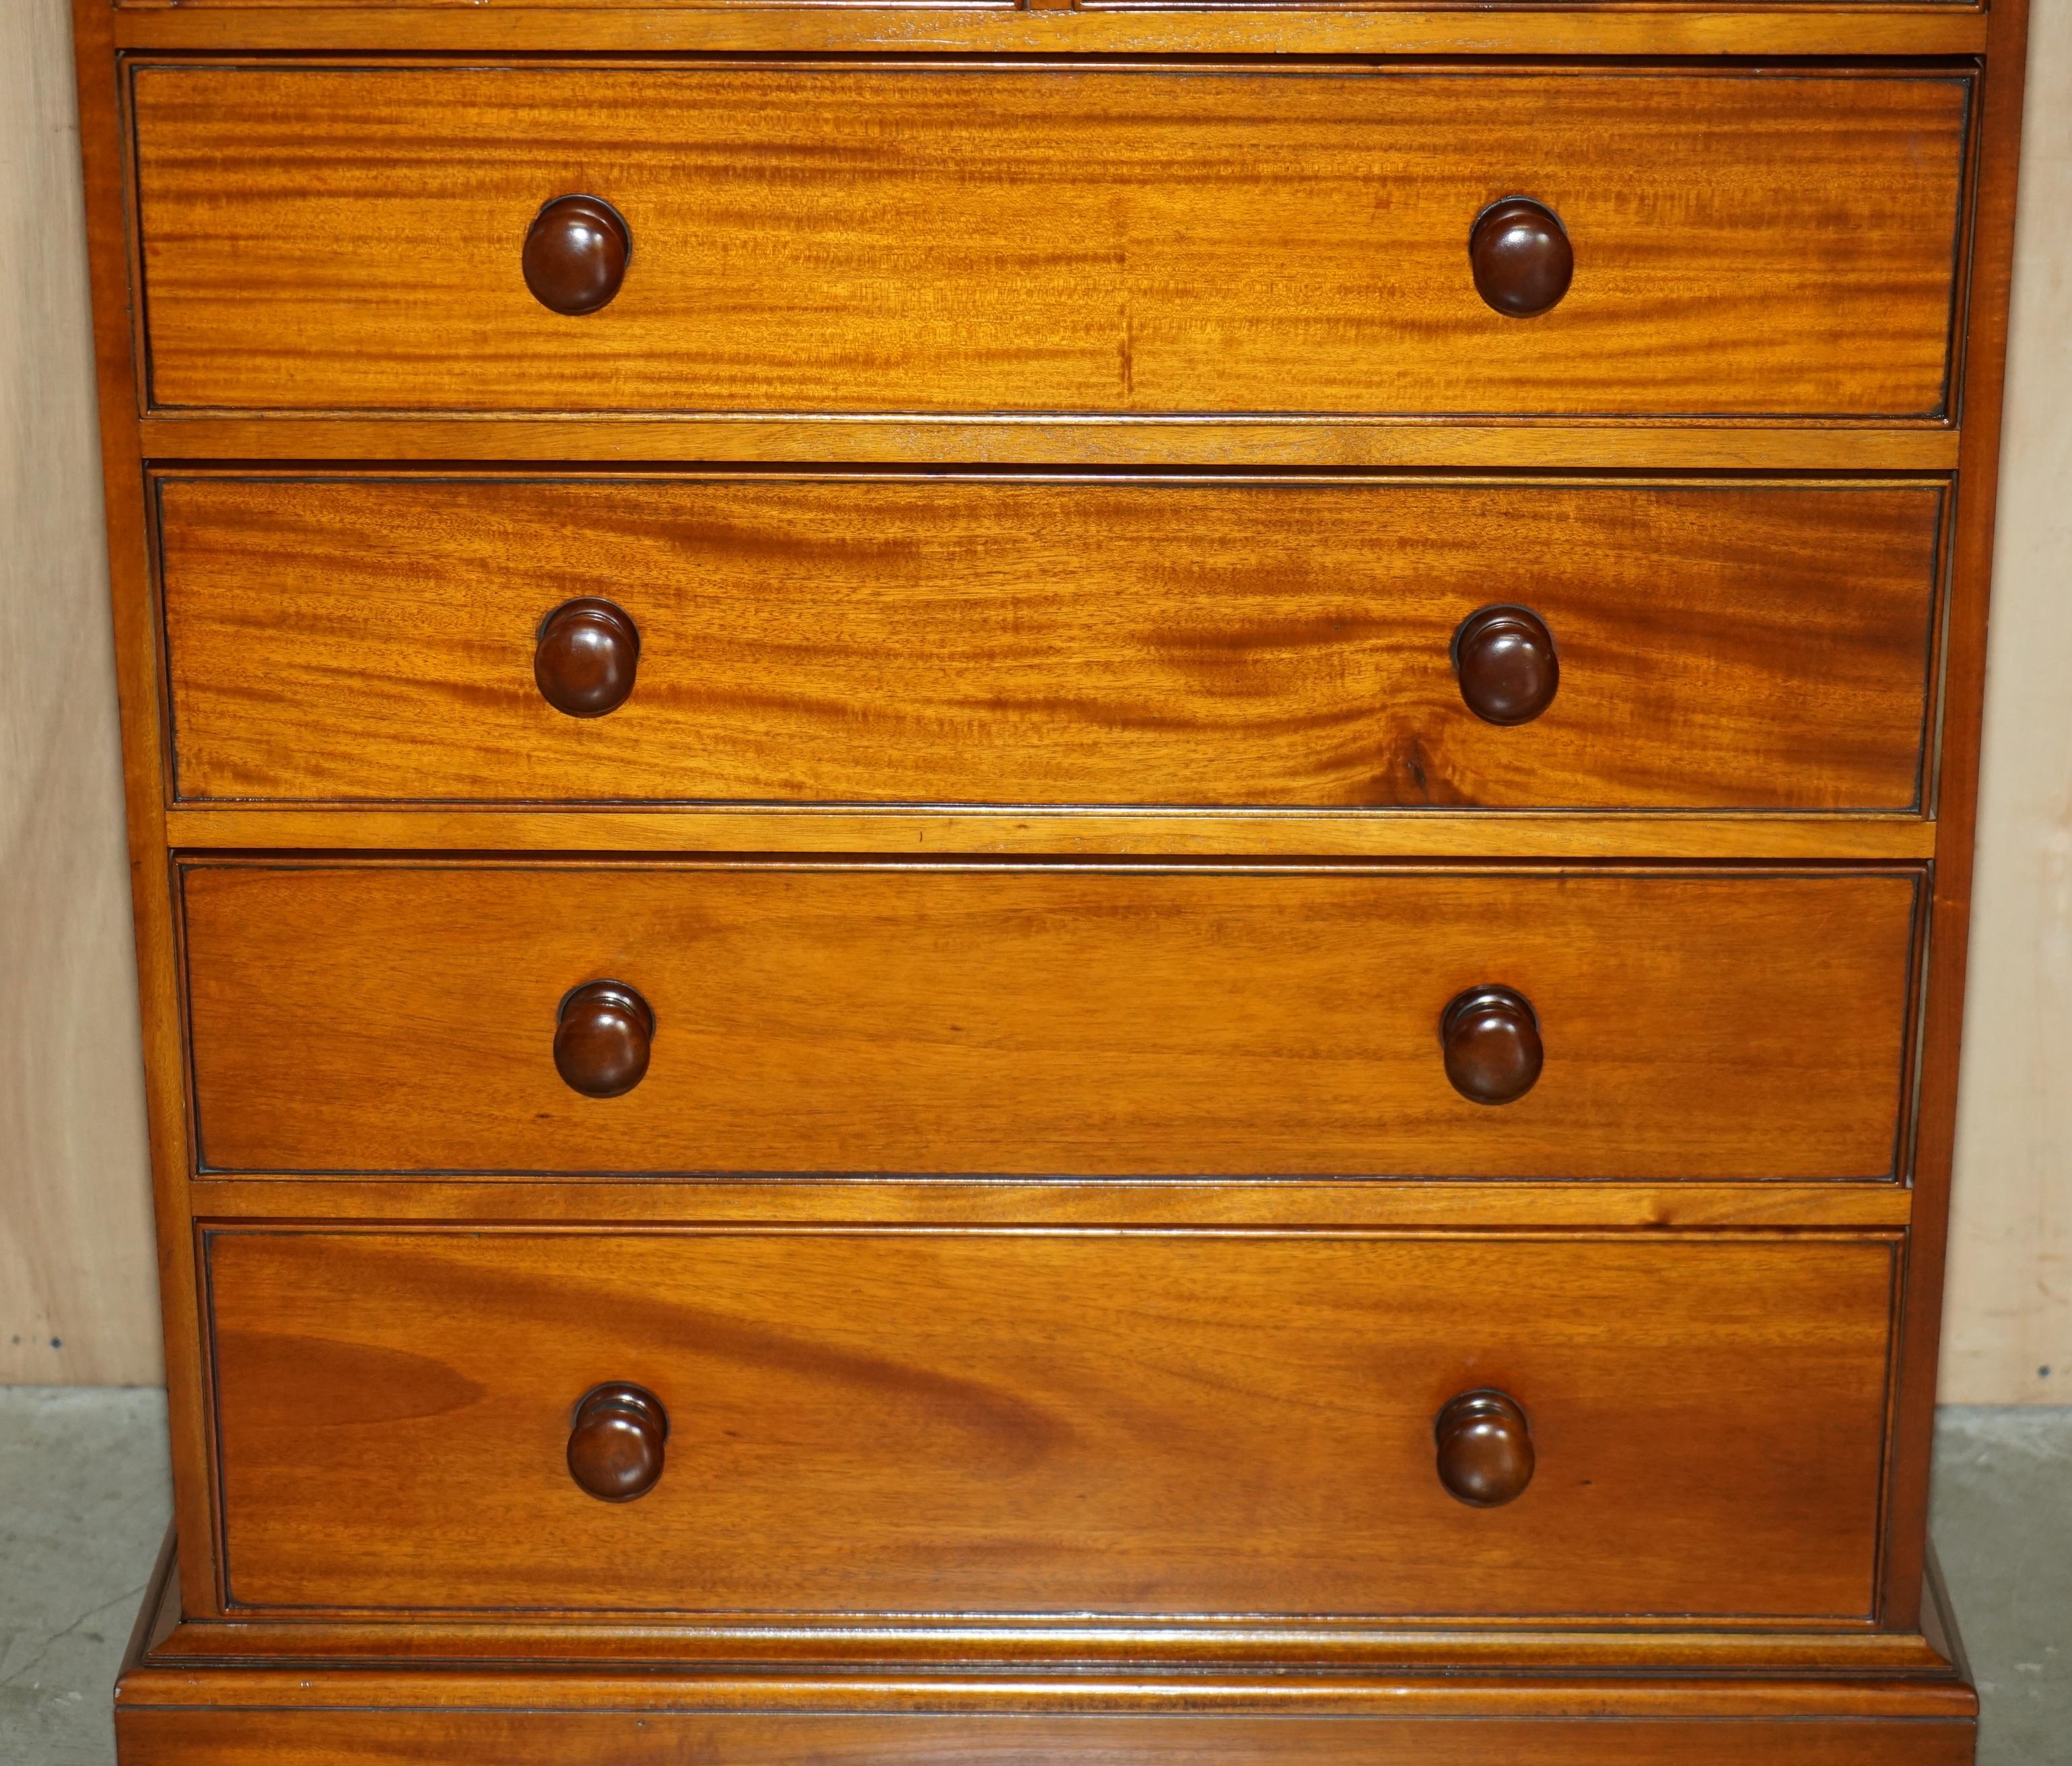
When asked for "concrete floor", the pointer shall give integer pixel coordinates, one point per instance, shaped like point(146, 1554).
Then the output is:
point(83, 1504)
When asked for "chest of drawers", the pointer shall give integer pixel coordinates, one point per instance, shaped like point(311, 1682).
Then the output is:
point(1067, 883)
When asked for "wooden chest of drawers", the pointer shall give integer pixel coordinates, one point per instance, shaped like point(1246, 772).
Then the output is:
point(1048, 883)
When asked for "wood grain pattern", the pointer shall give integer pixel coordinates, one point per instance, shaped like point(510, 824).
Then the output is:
point(136, 672)
point(1189, 642)
point(263, 1737)
point(991, 1424)
point(1787, 1684)
point(974, 1020)
point(938, 1201)
point(1220, 240)
point(1972, 552)
point(1788, 27)
point(1088, 443)
point(1807, 312)
point(1054, 832)
point(76, 1301)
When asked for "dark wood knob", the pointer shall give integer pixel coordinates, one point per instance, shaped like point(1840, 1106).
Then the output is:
point(1491, 1039)
point(1522, 256)
point(585, 656)
point(576, 253)
point(603, 1040)
point(1505, 659)
point(1485, 1449)
point(615, 1444)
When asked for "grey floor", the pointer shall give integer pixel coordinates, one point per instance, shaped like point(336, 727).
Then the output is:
point(83, 1503)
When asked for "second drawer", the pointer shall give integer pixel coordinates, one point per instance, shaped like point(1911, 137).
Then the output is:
point(1108, 1020)
point(1715, 645)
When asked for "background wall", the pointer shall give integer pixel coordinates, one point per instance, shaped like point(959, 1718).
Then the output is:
point(77, 1298)
point(2009, 1337)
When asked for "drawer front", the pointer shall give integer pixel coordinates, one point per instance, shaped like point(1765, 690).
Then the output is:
point(935, 1422)
point(1039, 1021)
point(1220, 239)
point(1723, 647)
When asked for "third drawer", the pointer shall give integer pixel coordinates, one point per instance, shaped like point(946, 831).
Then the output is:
point(1109, 1021)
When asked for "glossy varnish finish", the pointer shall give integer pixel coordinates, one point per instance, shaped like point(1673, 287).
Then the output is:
point(975, 1423)
point(1042, 1020)
point(1719, 645)
point(538, 1737)
point(1219, 239)
point(466, 1268)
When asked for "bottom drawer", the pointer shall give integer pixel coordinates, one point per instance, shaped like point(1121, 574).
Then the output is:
point(963, 1422)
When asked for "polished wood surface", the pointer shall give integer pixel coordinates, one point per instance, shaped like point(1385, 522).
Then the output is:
point(549, 1738)
point(1018, 1423)
point(616, 1443)
point(1223, 239)
point(174, 1661)
point(965, 1020)
point(604, 1036)
point(1972, 554)
point(936, 1094)
point(139, 681)
point(1521, 256)
point(1009, 439)
point(585, 657)
point(1089, 831)
point(1485, 1448)
point(1508, 667)
point(1779, 27)
point(576, 253)
point(1671, 1203)
point(1721, 645)
point(1490, 1038)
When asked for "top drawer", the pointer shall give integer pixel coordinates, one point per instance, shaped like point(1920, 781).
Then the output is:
point(1137, 241)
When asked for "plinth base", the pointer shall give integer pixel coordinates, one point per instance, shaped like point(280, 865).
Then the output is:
point(234, 1694)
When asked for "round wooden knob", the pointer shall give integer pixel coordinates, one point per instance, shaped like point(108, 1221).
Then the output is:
point(1522, 256)
point(615, 1444)
point(1485, 1449)
point(576, 253)
point(585, 658)
point(1491, 1039)
point(603, 1040)
point(1505, 659)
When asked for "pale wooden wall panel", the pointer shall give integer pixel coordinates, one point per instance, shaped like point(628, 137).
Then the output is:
point(77, 1274)
point(2010, 1295)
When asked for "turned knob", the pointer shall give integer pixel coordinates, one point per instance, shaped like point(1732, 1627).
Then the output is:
point(1491, 1039)
point(603, 1039)
point(576, 252)
point(1505, 659)
point(1485, 1449)
point(585, 657)
point(1522, 256)
point(615, 1443)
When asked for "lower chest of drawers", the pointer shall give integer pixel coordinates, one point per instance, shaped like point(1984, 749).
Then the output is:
point(1131, 872)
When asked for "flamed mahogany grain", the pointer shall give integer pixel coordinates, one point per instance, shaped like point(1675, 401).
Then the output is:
point(1722, 645)
point(1217, 238)
point(1791, 249)
point(966, 1019)
point(958, 1423)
